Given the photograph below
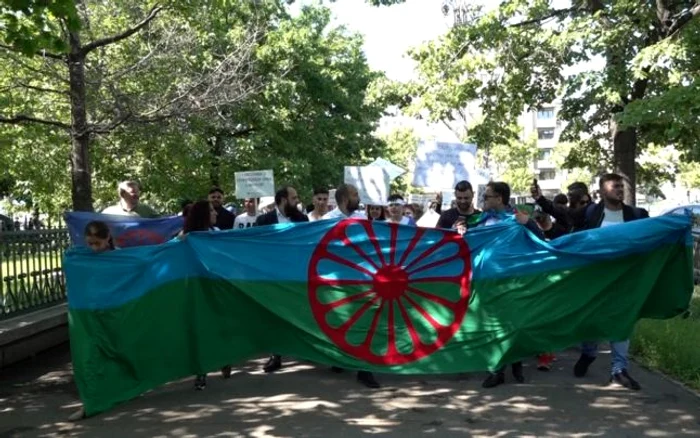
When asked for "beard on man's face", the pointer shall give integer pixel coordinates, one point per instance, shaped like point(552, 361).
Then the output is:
point(353, 205)
point(289, 209)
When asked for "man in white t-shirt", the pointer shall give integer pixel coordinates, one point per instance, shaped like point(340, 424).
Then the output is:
point(320, 201)
point(348, 200)
point(609, 212)
point(247, 219)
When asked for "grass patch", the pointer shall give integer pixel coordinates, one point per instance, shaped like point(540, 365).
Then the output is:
point(26, 264)
point(671, 346)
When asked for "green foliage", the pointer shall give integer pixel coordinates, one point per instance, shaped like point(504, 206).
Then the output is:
point(562, 152)
point(513, 162)
point(31, 26)
point(689, 174)
point(604, 60)
point(667, 345)
point(400, 149)
point(299, 103)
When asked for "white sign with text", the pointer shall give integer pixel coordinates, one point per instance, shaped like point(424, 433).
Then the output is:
point(421, 199)
point(441, 165)
point(392, 169)
point(255, 184)
point(372, 183)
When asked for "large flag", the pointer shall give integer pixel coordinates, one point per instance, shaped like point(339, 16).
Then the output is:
point(126, 230)
point(363, 295)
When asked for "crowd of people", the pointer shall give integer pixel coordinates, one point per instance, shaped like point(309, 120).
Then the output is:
point(565, 213)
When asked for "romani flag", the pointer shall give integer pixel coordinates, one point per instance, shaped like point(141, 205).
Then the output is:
point(363, 295)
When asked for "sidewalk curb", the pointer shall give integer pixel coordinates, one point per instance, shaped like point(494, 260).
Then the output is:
point(667, 378)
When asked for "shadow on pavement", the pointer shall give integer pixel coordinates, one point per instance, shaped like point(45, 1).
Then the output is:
point(303, 400)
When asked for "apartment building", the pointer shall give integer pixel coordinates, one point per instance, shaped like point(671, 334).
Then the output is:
point(547, 127)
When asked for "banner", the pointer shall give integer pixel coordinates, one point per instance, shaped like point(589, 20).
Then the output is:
point(126, 231)
point(363, 295)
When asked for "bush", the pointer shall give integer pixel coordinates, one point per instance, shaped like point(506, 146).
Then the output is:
point(671, 346)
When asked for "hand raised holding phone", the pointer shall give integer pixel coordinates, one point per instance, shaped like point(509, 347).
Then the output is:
point(535, 191)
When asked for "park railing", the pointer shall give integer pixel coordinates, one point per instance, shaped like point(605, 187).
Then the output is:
point(30, 269)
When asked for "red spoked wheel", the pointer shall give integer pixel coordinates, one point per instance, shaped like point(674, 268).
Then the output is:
point(389, 300)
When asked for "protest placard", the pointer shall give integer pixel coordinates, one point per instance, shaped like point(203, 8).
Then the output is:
point(254, 184)
point(372, 183)
point(392, 169)
point(441, 165)
point(421, 198)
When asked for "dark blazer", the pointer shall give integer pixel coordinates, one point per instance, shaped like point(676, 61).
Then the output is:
point(593, 216)
point(224, 219)
point(271, 218)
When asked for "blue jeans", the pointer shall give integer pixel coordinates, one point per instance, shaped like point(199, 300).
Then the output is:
point(619, 353)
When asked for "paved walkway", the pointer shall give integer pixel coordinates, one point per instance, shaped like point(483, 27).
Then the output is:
point(305, 401)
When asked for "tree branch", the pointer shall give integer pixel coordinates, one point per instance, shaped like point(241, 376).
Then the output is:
point(43, 53)
point(682, 19)
point(21, 118)
point(552, 14)
point(126, 34)
point(42, 89)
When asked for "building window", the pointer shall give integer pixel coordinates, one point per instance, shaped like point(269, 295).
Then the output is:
point(546, 175)
point(545, 154)
point(545, 133)
point(545, 114)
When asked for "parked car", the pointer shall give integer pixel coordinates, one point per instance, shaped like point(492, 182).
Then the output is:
point(695, 211)
point(680, 210)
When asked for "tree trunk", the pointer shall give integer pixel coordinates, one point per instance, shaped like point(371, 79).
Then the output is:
point(624, 159)
point(81, 187)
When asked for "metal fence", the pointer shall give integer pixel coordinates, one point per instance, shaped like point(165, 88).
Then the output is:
point(30, 270)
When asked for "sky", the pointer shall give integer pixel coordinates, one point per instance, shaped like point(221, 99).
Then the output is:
point(391, 31)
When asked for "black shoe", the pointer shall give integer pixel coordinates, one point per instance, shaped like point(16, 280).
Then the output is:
point(273, 364)
point(200, 382)
point(581, 367)
point(493, 380)
point(518, 372)
point(337, 370)
point(624, 379)
point(226, 372)
point(367, 379)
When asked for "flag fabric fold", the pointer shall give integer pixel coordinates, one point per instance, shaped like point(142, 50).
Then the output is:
point(363, 295)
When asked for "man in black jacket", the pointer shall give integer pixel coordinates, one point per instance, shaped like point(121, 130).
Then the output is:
point(286, 200)
point(610, 211)
point(464, 198)
point(224, 218)
point(571, 217)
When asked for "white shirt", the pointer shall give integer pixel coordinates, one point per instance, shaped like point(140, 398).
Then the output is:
point(282, 219)
point(404, 221)
point(612, 217)
point(312, 217)
point(336, 214)
point(244, 221)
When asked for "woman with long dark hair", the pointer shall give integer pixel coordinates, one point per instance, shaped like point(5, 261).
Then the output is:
point(201, 216)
